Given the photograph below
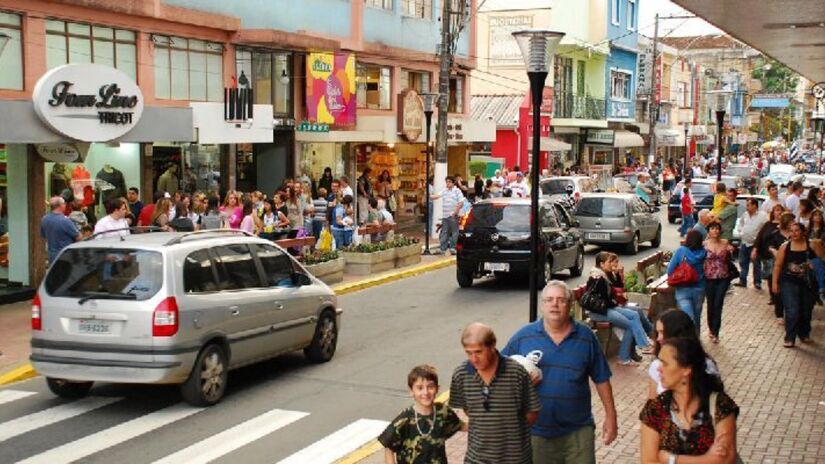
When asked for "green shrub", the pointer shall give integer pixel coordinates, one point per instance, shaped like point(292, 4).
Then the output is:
point(478, 167)
point(318, 257)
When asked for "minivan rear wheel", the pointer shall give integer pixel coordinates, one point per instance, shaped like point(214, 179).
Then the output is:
point(658, 239)
point(207, 381)
point(578, 268)
point(633, 246)
point(324, 341)
point(464, 278)
point(67, 389)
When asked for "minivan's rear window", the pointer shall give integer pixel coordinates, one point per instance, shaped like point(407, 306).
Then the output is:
point(504, 218)
point(555, 186)
point(602, 207)
point(120, 273)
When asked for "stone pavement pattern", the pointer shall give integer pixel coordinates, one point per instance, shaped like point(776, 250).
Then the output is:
point(780, 392)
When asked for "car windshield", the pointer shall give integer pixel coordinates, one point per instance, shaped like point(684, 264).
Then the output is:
point(105, 273)
point(601, 207)
point(555, 186)
point(502, 217)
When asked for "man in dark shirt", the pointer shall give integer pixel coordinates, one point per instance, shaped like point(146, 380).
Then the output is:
point(135, 205)
point(58, 230)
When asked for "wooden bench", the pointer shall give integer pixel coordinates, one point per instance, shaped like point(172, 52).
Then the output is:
point(303, 243)
point(376, 229)
point(653, 270)
point(578, 292)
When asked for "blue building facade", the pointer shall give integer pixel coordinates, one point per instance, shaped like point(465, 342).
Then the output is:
point(621, 72)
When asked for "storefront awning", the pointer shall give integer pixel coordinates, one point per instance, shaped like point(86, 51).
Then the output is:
point(549, 144)
point(670, 137)
point(627, 139)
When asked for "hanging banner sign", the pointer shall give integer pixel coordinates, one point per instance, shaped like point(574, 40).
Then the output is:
point(331, 96)
point(88, 102)
point(410, 115)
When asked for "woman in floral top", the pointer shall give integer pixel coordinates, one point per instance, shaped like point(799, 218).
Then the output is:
point(677, 426)
point(717, 275)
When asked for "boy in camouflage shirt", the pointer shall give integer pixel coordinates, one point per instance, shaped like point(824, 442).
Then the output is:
point(418, 434)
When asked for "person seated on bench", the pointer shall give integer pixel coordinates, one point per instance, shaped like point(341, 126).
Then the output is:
point(619, 316)
point(616, 277)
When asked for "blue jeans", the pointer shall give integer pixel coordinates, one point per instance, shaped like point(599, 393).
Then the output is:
point(744, 264)
point(627, 319)
point(689, 300)
point(688, 221)
point(317, 227)
point(798, 302)
point(343, 237)
point(819, 269)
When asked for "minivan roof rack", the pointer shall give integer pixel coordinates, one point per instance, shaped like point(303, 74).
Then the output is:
point(130, 229)
point(179, 238)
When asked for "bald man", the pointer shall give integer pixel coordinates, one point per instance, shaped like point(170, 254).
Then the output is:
point(498, 396)
point(58, 230)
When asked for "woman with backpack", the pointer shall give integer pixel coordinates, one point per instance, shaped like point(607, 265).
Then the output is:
point(690, 294)
point(792, 273)
point(600, 302)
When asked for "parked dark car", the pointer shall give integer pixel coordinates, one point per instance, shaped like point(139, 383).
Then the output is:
point(702, 191)
point(495, 240)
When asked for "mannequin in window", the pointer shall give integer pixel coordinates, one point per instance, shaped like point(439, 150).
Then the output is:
point(58, 179)
point(115, 177)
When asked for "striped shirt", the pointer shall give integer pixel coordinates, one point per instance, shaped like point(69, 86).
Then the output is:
point(566, 368)
point(451, 198)
point(499, 434)
point(320, 206)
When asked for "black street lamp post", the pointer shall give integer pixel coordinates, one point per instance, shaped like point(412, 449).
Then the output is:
point(722, 99)
point(430, 101)
point(537, 49)
point(818, 120)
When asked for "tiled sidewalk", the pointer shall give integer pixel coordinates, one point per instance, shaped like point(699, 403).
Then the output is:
point(781, 392)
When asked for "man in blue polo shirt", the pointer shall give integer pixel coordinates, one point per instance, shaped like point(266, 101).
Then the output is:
point(570, 356)
point(58, 230)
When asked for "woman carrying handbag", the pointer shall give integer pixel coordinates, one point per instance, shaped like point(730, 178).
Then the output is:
point(689, 261)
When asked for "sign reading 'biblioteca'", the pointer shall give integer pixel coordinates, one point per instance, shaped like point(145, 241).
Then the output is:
point(88, 102)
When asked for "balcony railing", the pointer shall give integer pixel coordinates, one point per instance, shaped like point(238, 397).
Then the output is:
point(572, 106)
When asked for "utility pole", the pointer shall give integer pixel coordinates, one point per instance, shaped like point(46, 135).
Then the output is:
point(653, 101)
point(452, 23)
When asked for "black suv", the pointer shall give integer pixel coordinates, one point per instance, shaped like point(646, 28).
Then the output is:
point(702, 191)
point(495, 239)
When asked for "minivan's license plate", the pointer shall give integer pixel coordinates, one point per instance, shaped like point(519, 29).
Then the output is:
point(497, 267)
point(598, 236)
point(94, 327)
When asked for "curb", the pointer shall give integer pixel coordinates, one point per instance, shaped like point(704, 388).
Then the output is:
point(27, 371)
point(373, 446)
point(343, 289)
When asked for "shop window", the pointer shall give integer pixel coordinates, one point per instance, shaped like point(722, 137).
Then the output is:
point(11, 57)
point(456, 102)
point(417, 80)
point(188, 69)
point(417, 8)
point(374, 87)
point(269, 76)
point(620, 85)
point(84, 43)
point(382, 4)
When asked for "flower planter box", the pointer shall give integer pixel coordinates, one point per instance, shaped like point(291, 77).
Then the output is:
point(369, 263)
point(408, 255)
point(330, 272)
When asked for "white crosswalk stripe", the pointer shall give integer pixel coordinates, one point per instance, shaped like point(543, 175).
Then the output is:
point(7, 396)
point(338, 444)
point(116, 435)
point(53, 415)
point(234, 438)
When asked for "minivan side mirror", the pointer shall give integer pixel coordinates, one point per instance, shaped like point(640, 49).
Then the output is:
point(299, 279)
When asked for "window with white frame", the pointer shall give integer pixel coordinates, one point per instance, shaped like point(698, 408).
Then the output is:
point(683, 94)
point(620, 82)
point(11, 60)
point(631, 15)
point(382, 4)
point(188, 69)
point(614, 16)
point(373, 86)
point(456, 100)
point(416, 80)
point(85, 43)
point(417, 8)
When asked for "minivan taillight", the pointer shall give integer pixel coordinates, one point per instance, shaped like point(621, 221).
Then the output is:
point(165, 318)
point(37, 321)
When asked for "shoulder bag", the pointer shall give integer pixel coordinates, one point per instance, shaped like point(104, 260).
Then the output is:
point(684, 275)
point(593, 302)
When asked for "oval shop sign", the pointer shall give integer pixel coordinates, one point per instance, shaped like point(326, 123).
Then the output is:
point(88, 102)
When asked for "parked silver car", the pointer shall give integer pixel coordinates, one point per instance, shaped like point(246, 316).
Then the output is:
point(175, 308)
point(618, 218)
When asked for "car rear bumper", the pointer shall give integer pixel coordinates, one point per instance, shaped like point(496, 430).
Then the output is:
point(473, 261)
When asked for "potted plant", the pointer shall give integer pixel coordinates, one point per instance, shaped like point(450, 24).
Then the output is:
point(368, 258)
point(328, 266)
point(407, 251)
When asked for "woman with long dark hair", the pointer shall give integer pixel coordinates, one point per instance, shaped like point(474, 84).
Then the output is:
point(792, 271)
point(717, 275)
point(693, 416)
point(689, 298)
point(326, 180)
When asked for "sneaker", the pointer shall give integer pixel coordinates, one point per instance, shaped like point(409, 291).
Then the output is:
point(629, 362)
point(635, 356)
point(740, 284)
point(805, 339)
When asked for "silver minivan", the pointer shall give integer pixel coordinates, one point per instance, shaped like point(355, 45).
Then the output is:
point(175, 308)
point(618, 218)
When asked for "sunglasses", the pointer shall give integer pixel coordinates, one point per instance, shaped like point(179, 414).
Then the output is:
point(485, 392)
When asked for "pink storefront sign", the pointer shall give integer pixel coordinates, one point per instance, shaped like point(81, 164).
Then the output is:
point(331, 91)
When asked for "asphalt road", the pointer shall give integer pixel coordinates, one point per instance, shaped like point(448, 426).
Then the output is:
point(285, 406)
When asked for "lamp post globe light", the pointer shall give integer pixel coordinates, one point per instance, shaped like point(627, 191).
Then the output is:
point(430, 101)
point(4, 40)
point(537, 48)
point(721, 106)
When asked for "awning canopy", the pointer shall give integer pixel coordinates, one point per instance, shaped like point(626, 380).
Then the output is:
point(670, 137)
point(627, 139)
point(549, 144)
point(764, 102)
